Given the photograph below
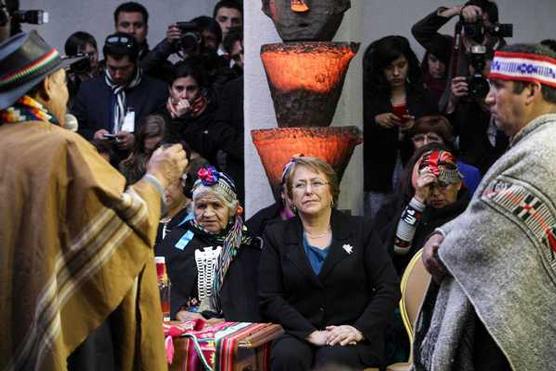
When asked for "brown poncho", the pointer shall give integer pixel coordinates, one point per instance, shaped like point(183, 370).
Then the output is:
point(74, 247)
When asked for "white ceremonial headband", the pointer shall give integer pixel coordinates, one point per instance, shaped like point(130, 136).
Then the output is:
point(523, 67)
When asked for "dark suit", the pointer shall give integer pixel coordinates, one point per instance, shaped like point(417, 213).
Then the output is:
point(358, 288)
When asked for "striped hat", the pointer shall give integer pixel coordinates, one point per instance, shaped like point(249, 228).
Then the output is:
point(25, 60)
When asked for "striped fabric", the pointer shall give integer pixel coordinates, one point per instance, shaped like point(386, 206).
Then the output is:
point(31, 70)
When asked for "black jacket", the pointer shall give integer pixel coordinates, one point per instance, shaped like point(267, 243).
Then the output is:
point(238, 294)
point(386, 225)
point(381, 145)
point(93, 106)
point(358, 289)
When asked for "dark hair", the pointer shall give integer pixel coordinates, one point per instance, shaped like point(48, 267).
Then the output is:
point(135, 166)
point(548, 93)
point(235, 34)
point(441, 49)
point(227, 4)
point(119, 45)
point(378, 56)
point(192, 67)
point(550, 43)
point(487, 6)
point(205, 23)
point(77, 41)
point(131, 7)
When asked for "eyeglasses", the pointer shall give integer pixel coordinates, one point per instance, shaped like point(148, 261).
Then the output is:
point(315, 184)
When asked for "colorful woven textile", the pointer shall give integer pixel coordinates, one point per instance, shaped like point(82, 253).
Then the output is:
point(217, 343)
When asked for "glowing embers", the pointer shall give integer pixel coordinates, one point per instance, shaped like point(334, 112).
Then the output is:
point(277, 146)
point(306, 80)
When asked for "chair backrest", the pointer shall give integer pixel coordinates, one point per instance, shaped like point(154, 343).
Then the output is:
point(414, 286)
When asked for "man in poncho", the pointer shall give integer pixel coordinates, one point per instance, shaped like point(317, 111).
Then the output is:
point(76, 248)
point(496, 263)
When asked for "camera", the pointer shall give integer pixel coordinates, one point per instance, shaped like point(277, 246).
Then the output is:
point(191, 36)
point(30, 16)
point(82, 62)
point(478, 86)
point(477, 30)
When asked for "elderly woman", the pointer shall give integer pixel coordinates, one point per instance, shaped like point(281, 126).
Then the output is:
point(431, 193)
point(211, 260)
point(324, 278)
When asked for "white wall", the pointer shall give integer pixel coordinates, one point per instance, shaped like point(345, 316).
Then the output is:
point(366, 21)
point(97, 17)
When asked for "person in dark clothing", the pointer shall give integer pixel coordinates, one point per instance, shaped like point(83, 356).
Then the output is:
point(435, 67)
point(133, 18)
point(111, 107)
point(480, 143)
point(325, 278)
point(192, 116)
point(426, 33)
point(437, 129)
point(280, 210)
point(81, 43)
point(394, 95)
point(212, 260)
point(425, 195)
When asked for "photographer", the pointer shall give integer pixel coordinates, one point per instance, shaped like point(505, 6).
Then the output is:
point(477, 35)
point(199, 37)
point(81, 43)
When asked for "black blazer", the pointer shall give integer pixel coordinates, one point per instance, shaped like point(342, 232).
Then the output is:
point(359, 289)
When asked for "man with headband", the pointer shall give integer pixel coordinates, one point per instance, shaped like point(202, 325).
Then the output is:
point(495, 265)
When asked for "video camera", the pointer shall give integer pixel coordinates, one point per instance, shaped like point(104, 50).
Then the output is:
point(191, 36)
point(30, 16)
point(477, 30)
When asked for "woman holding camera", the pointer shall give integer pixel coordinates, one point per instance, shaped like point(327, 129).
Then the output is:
point(324, 278)
point(394, 95)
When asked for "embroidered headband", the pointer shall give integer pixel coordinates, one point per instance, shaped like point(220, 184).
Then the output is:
point(523, 67)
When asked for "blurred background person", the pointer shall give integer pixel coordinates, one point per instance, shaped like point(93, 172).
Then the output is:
point(325, 278)
point(393, 97)
point(81, 42)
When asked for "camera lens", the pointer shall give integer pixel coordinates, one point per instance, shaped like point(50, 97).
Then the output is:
point(478, 87)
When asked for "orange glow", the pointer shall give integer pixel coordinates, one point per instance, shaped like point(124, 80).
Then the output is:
point(277, 146)
point(314, 66)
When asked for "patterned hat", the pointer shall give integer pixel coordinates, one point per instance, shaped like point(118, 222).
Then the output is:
point(210, 179)
point(25, 60)
point(442, 164)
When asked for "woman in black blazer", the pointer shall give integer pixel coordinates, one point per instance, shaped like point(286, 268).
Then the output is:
point(325, 278)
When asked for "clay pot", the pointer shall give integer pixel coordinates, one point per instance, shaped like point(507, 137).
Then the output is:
point(319, 23)
point(306, 80)
point(277, 146)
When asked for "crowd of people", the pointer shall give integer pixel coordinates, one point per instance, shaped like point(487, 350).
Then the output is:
point(457, 170)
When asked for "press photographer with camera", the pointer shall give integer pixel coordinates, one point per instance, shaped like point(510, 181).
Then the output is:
point(11, 18)
point(81, 43)
point(477, 34)
point(198, 38)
